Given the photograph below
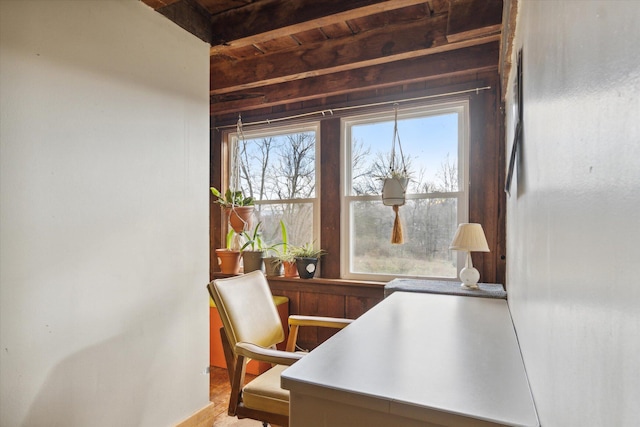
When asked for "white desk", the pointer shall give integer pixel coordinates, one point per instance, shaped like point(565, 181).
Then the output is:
point(416, 360)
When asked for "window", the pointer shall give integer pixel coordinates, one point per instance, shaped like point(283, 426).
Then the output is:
point(434, 143)
point(278, 168)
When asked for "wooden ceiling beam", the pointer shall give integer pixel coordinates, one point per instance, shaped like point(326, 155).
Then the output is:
point(386, 44)
point(157, 4)
point(471, 60)
point(266, 20)
point(375, 48)
point(473, 18)
point(189, 15)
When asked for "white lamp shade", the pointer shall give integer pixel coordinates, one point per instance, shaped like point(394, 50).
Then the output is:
point(470, 237)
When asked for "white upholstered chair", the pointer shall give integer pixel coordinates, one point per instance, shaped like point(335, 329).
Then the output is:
point(251, 329)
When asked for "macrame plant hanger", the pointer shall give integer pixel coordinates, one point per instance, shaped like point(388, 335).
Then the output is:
point(234, 182)
point(395, 184)
point(234, 185)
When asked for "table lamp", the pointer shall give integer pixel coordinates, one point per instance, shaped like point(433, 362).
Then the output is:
point(469, 238)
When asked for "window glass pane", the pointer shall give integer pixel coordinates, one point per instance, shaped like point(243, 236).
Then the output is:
point(298, 218)
point(428, 225)
point(278, 167)
point(429, 145)
point(432, 140)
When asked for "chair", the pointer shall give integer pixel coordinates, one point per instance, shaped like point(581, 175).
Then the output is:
point(251, 328)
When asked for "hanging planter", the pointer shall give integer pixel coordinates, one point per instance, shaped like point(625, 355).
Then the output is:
point(238, 208)
point(395, 182)
point(394, 189)
point(240, 217)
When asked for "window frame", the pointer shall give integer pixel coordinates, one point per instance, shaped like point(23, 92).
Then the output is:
point(231, 136)
point(462, 108)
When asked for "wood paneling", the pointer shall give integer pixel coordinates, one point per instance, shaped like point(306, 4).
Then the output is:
point(215, 213)
point(320, 297)
point(330, 200)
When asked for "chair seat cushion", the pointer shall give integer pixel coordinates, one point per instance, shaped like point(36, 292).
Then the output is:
point(265, 394)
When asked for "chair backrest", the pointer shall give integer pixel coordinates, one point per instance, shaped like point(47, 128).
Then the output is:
point(247, 311)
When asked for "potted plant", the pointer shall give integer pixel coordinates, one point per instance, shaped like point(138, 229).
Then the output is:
point(307, 257)
point(229, 257)
point(395, 179)
point(237, 207)
point(394, 188)
point(272, 265)
point(285, 256)
point(252, 250)
point(288, 261)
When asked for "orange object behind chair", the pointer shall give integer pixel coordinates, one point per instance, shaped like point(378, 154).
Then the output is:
point(216, 354)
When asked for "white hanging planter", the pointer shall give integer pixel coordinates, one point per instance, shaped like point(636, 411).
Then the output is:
point(394, 190)
point(395, 183)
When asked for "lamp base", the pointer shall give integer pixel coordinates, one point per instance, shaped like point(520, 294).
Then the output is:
point(469, 277)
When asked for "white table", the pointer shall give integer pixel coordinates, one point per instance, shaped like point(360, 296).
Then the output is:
point(416, 360)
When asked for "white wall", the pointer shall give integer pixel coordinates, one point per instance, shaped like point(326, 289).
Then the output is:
point(573, 224)
point(104, 215)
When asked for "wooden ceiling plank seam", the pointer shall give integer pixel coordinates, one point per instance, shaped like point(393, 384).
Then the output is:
point(247, 25)
point(295, 39)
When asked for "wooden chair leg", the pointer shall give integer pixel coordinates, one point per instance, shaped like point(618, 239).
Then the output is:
point(292, 338)
point(229, 358)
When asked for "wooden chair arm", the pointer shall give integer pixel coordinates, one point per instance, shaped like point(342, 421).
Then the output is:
point(296, 320)
point(327, 322)
point(268, 355)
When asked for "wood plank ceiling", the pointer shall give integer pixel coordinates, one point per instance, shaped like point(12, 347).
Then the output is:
point(271, 52)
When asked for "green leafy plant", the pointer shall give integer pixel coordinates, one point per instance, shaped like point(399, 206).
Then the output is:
point(254, 239)
point(231, 198)
point(307, 251)
point(285, 254)
point(229, 239)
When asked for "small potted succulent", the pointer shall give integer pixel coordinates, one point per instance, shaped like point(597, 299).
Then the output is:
point(307, 257)
point(238, 208)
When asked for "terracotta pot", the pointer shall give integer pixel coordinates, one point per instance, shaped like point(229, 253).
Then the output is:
point(290, 269)
point(229, 261)
point(240, 217)
point(306, 267)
